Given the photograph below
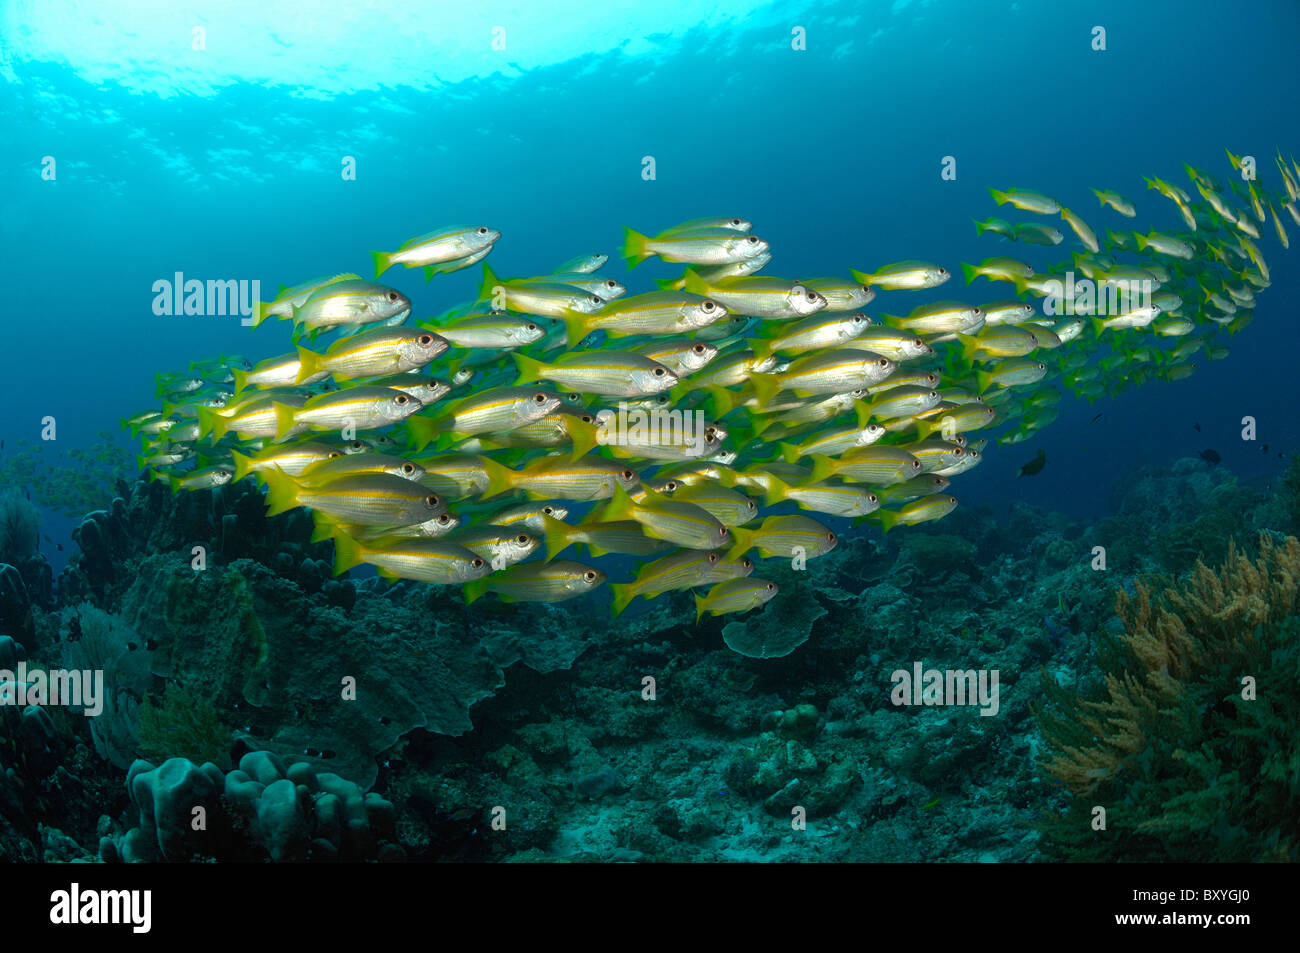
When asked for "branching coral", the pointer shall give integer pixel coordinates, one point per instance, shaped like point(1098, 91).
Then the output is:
point(1190, 742)
point(19, 527)
point(185, 724)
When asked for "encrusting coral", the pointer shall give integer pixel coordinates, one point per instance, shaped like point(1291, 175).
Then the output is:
point(1190, 743)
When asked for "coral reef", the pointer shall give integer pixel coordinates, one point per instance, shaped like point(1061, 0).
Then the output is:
point(19, 527)
point(1190, 741)
point(497, 732)
point(262, 810)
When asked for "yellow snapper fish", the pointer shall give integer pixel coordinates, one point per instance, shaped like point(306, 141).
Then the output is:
point(759, 295)
point(371, 354)
point(924, 510)
point(352, 301)
point(549, 299)
point(537, 582)
point(696, 246)
point(1115, 201)
point(362, 408)
point(289, 298)
point(809, 403)
point(657, 312)
point(490, 330)
point(1026, 201)
point(438, 247)
point(1081, 230)
point(903, 276)
point(841, 294)
point(436, 561)
point(605, 373)
point(997, 269)
point(679, 570)
point(734, 595)
point(785, 536)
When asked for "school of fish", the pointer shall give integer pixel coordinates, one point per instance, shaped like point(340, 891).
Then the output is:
point(557, 411)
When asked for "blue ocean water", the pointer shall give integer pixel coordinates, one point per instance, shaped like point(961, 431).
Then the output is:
point(226, 163)
point(142, 141)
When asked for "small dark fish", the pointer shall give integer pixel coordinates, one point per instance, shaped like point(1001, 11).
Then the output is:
point(1095, 419)
point(29, 494)
point(59, 547)
point(1196, 427)
point(1034, 465)
point(1264, 448)
point(1211, 457)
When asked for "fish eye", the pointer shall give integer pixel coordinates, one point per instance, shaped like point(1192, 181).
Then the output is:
point(865, 288)
point(539, 398)
point(595, 299)
point(943, 271)
point(477, 562)
point(916, 464)
point(357, 445)
point(627, 474)
point(611, 284)
point(752, 239)
point(770, 587)
point(589, 575)
point(588, 419)
point(723, 531)
point(698, 349)
point(392, 296)
point(482, 229)
point(872, 498)
point(858, 318)
point(736, 223)
point(707, 306)
point(713, 557)
point(957, 451)
point(530, 327)
point(660, 371)
point(830, 537)
point(444, 519)
point(523, 539)
point(333, 453)
point(424, 340)
point(401, 400)
point(751, 505)
point(408, 468)
point(883, 362)
point(548, 510)
point(431, 499)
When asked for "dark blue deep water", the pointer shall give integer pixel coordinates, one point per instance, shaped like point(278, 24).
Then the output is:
point(226, 163)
